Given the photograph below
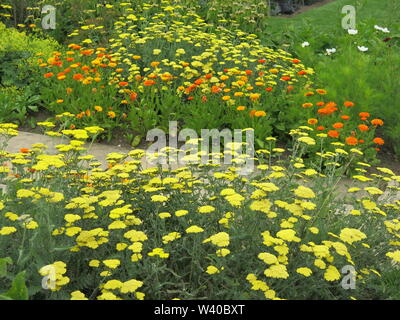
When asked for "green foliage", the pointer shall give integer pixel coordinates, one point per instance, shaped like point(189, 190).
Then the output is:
point(18, 56)
point(17, 104)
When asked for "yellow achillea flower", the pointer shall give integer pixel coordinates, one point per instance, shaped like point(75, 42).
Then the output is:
point(112, 263)
point(331, 273)
point(277, 271)
point(77, 295)
point(220, 239)
point(350, 235)
point(7, 230)
point(194, 229)
point(206, 209)
point(304, 271)
point(213, 270)
point(304, 192)
point(395, 255)
point(268, 258)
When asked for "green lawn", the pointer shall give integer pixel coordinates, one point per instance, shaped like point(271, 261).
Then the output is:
point(328, 17)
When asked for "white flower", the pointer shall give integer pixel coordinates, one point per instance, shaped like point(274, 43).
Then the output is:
point(305, 44)
point(362, 48)
point(385, 30)
point(352, 31)
point(330, 51)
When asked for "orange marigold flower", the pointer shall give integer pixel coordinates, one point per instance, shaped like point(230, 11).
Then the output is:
point(361, 141)
point(320, 128)
point(111, 114)
point(249, 72)
point(262, 61)
point(254, 96)
point(285, 78)
point(312, 121)
point(302, 72)
point(307, 94)
point(48, 75)
point(241, 108)
point(123, 83)
point(260, 114)
point(133, 96)
point(149, 83)
point(377, 122)
point(333, 134)
point(338, 125)
point(320, 104)
point(307, 105)
point(348, 104)
point(269, 89)
point(24, 150)
point(78, 76)
point(351, 141)
point(363, 127)
point(321, 91)
point(364, 114)
point(98, 108)
point(252, 112)
point(215, 89)
point(379, 141)
point(88, 113)
point(296, 61)
point(199, 81)
point(345, 117)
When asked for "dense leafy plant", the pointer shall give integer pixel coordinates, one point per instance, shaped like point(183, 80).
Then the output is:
point(198, 231)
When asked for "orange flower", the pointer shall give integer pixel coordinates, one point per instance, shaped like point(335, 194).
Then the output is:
point(285, 78)
point(260, 114)
point(262, 61)
point(111, 114)
point(269, 89)
point(379, 141)
point(123, 83)
point(241, 108)
point(69, 90)
point(199, 81)
point(312, 121)
point(133, 96)
point(48, 75)
point(88, 113)
point(338, 125)
point(321, 91)
point(149, 83)
point(307, 94)
point(320, 104)
point(249, 72)
point(215, 89)
point(254, 96)
point(252, 112)
point(302, 72)
point(24, 150)
point(363, 127)
point(364, 114)
point(377, 122)
point(307, 105)
point(78, 76)
point(98, 108)
point(345, 117)
point(351, 141)
point(361, 141)
point(348, 104)
point(320, 128)
point(333, 134)
point(296, 61)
